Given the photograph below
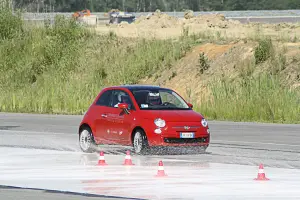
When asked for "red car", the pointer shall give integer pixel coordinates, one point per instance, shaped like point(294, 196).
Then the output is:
point(143, 117)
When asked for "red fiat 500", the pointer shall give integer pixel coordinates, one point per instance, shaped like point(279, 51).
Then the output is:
point(143, 117)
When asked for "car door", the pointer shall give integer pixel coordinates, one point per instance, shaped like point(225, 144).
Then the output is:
point(119, 122)
point(103, 104)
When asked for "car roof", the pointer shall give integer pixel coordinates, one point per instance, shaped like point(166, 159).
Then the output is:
point(137, 87)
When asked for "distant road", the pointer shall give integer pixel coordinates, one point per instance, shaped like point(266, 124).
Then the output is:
point(244, 20)
point(287, 16)
point(271, 19)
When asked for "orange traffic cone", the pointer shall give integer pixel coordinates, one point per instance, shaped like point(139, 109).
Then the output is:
point(261, 174)
point(161, 171)
point(101, 159)
point(128, 160)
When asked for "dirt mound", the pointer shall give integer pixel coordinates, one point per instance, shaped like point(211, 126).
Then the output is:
point(212, 21)
point(188, 14)
point(176, 77)
point(161, 20)
point(163, 26)
point(157, 20)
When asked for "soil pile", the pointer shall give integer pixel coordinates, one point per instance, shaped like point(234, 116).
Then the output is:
point(161, 20)
point(157, 20)
point(211, 21)
point(188, 14)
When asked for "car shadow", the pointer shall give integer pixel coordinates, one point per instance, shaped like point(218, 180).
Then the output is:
point(175, 151)
point(121, 150)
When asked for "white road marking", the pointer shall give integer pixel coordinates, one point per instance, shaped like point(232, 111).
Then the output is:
point(260, 143)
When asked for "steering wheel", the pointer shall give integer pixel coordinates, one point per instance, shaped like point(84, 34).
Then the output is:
point(167, 103)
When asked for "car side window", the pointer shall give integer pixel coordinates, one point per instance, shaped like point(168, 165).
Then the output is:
point(104, 99)
point(120, 96)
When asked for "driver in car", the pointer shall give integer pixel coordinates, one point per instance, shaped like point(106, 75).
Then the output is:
point(122, 98)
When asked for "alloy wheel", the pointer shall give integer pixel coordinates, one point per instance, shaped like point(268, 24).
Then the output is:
point(85, 140)
point(138, 142)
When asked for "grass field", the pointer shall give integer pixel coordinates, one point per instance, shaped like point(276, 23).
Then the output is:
point(61, 68)
point(260, 96)
point(261, 99)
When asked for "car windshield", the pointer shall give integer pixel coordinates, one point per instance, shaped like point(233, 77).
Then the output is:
point(159, 99)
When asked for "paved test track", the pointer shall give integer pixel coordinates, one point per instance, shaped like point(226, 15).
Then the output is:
point(275, 145)
point(267, 19)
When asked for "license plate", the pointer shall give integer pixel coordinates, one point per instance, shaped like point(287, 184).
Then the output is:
point(187, 135)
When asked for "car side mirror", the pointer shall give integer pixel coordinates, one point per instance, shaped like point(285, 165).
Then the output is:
point(190, 105)
point(124, 106)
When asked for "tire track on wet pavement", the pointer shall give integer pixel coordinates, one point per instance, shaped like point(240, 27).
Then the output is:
point(231, 142)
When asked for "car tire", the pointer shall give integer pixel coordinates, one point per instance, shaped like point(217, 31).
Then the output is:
point(140, 142)
point(86, 141)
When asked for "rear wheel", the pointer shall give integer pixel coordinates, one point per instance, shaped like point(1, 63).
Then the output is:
point(86, 141)
point(140, 142)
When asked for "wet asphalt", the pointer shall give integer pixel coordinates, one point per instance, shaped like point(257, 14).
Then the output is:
point(277, 145)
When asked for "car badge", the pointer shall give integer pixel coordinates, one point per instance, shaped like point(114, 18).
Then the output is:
point(186, 127)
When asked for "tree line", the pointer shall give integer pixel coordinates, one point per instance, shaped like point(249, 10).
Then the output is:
point(152, 5)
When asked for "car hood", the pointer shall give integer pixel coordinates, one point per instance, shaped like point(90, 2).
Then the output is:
point(173, 115)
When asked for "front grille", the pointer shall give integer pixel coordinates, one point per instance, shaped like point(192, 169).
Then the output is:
point(185, 140)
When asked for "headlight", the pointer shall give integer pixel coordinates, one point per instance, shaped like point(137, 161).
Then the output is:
point(204, 122)
point(160, 122)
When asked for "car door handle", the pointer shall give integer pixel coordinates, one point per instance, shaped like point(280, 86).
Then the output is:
point(104, 115)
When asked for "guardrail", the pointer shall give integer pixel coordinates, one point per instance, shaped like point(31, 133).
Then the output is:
point(228, 14)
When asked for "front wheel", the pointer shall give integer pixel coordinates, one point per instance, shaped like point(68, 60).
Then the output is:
point(86, 141)
point(140, 142)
